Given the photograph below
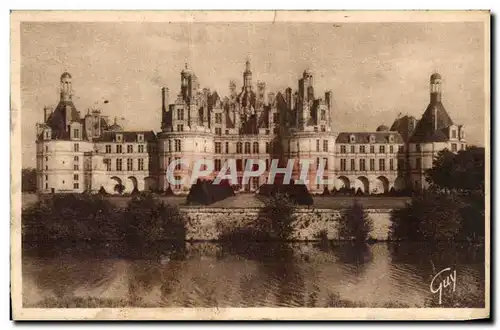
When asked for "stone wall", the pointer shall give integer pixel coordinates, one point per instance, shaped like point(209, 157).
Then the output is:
point(207, 223)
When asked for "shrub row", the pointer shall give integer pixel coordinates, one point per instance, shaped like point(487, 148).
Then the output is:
point(297, 193)
point(93, 217)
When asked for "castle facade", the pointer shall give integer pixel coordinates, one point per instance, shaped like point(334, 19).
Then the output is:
point(77, 153)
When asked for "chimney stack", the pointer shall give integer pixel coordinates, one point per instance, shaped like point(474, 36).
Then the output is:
point(328, 99)
point(164, 99)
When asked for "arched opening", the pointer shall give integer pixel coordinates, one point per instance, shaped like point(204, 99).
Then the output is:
point(115, 185)
point(399, 184)
point(362, 185)
point(381, 185)
point(131, 184)
point(150, 184)
point(342, 182)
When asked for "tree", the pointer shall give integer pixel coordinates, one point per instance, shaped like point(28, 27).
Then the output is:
point(149, 219)
point(429, 217)
point(276, 219)
point(463, 171)
point(355, 224)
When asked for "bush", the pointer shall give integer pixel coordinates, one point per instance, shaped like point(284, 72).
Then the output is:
point(83, 217)
point(297, 193)
point(204, 192)
point(102, 191)
point(355, 224)
point(334, 191)
point(70, 216)
point(326, 192)
point(148, 219)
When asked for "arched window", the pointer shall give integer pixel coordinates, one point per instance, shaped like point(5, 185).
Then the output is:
point(239, 148)
point(247, 147)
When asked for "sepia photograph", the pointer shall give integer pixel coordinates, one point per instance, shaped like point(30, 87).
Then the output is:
point(280, 165)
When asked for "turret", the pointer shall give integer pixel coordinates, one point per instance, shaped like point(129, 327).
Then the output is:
point(165, 101)
point(435, 88)
point(247, 75)
point(66, 88)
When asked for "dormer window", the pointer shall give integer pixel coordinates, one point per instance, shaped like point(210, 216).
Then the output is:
point(119, 138)
point(352, 138)
point(391, 138)
point(454, 134)
point(47, 134)
point(140, 137)
point(372, 138)
point(76, 133)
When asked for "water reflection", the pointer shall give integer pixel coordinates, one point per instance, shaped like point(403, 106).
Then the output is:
point(210, 275)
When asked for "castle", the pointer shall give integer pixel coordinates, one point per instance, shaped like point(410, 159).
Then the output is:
point(78, 153)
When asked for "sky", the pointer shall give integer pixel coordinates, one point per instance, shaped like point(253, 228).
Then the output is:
point(375, 70)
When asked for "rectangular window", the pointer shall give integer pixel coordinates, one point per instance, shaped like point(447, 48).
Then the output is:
point(218, 131)
point(140, 164)
point(177, 145)
point(178, 186)
point(268, 148)
point(141, 148)
point(361, 149)
point(353, 149)
point(353, 165)
point(382, 149)
point(76, 185)
point(76, 133)
point(325, 145)
point(325, 160)
point(362, 165)
point(381, 164)
point(323, 128)
point(372, 149)
point(76, 147)
point(180, 128)
point(401, 148)
point(417, 148)
point(323, 115)
point(343, 165)
point(255, 147)
point(107, 161)
point(372, 164)
point(130, 148)
point(315, 129)
point(391, 164)
point(170, 145)
point(76, 167)
point(218, 147)
point(177, 165)
point(317, 162)
point(218, 118)
point(391, 149)
point(130, 164)
point(76, 158)
point(118, 148)
point(217, 165)
point(75, 177)
point(453, 134)
point(227, 147)
point(454, 147)
point(180, 114)
point(342, 149)
point(317, 145)
point(118, 164)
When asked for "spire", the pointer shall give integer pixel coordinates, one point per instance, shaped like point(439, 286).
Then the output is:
point(247, 65)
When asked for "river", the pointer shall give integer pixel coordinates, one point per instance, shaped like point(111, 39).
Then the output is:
point(255, 275)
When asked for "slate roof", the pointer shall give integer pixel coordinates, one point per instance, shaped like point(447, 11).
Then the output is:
point(57, 119)
point(426, 130)
point(128, 136)
point(364, 137)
